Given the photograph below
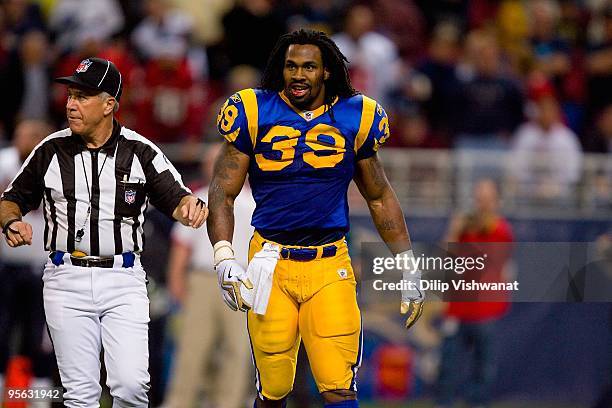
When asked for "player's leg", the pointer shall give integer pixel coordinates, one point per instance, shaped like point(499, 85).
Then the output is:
point(195, 339)
point(330, 324)
point(75, 331)
point(125, 317)
point(274, 344)
point(274, 337)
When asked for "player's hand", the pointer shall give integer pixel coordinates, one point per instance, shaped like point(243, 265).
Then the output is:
point(412, 297)
point(18, 233)
point(191, 212)
point(231, 277)
point(413, 309)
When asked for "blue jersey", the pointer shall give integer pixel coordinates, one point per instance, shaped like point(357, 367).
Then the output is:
point(301, 162)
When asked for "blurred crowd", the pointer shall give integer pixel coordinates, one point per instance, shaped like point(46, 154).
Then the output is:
point(526, 77)
point(480, 73)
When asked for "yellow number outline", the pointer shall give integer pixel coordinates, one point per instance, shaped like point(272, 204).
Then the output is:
point(312, 141)
point(287, 147)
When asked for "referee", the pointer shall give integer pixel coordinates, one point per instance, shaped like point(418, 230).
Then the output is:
point(95, 180)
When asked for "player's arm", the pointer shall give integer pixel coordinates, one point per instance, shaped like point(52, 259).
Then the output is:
point(383, 204)
point(389, 221)
point(229, 173)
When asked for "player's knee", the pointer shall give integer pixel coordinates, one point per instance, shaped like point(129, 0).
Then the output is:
point(340, 398)
point(277, 391)
point(130, 393)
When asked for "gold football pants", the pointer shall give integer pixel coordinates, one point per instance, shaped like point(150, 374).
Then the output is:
point(314, 301)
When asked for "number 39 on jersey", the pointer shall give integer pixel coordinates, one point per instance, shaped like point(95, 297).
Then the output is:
point(301, 163)
point(278, 137)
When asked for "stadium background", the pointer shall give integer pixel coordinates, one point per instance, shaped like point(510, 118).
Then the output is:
point(418, 58)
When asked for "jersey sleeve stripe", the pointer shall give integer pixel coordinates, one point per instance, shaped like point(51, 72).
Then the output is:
point(249, 100)
point(367, 118)
point(232, 136)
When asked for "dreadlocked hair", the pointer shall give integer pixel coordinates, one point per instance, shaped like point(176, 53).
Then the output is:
point(337, 85)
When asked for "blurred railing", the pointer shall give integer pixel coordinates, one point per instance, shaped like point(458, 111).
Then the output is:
point(439, 182)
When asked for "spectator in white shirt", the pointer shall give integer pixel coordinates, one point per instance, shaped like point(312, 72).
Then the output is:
point(546, 156)
point(76, 22)
point(374, 62)
point(209, 331)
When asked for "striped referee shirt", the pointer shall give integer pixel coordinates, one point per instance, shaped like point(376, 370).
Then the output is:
point(115, 182)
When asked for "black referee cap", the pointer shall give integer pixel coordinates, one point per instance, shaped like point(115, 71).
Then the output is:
point(96, 74)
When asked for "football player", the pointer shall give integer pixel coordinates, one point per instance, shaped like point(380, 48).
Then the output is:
point(301, 138)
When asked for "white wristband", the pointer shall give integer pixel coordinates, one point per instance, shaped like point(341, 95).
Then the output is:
point(412, 276)
point(411, 273)
point(222, 250)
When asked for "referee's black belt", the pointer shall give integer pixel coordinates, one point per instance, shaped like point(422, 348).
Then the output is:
point(57, 258)
point(308, 254)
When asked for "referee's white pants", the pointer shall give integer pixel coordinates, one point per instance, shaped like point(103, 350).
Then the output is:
point(89, 309)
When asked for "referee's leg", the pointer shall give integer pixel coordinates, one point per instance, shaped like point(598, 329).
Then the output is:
point(75, 331)
point(125, 335)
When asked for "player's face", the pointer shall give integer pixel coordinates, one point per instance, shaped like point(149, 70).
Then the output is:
point(304, 76)
point(84, 110)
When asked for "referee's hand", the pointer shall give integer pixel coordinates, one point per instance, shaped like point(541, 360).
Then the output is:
point(191, 212)
point(19, 233)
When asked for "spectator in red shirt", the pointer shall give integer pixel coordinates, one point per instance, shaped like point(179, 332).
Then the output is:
point(171, 103)
point(470, 326)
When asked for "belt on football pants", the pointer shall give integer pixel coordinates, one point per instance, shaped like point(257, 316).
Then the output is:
point(57, 258)
point(308, 254)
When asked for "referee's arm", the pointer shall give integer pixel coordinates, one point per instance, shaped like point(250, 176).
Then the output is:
point(23, 195)
point(16, 232)
point(169, 195)
point(191, 211)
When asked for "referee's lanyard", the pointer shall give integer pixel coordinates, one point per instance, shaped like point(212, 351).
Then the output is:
point(81, 231)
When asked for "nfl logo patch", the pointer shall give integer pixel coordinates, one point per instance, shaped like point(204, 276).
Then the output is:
point(342, 273)
point(308, 116)
point(235, 97)
point(130, 196)
point(83, 66)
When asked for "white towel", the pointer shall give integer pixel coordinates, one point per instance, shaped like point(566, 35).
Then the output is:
point(261, 273)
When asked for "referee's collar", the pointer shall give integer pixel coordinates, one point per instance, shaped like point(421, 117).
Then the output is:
point(110, 146)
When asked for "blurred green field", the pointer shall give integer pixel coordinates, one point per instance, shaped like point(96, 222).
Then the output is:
point(107, 403)
point(429, 404)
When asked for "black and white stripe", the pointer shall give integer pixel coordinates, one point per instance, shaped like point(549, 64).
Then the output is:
point(129, 167)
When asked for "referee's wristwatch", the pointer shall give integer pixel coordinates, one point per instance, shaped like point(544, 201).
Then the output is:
point(7, 226)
